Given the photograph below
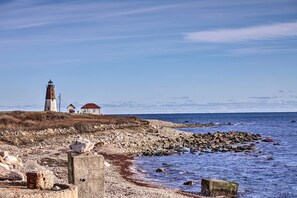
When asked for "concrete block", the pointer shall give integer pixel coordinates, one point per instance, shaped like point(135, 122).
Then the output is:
point(87, 173)
point(212, 187)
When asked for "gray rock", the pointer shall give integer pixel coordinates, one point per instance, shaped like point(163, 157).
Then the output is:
point(15, 175)
point(56, 188)
point(81, 145)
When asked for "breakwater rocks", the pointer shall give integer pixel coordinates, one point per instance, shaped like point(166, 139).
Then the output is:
point(206, 143)
point(159, 123)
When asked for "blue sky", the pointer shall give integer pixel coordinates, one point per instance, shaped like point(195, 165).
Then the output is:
point(150, 56)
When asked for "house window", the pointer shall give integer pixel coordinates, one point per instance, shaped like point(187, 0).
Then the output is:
point(94, 110)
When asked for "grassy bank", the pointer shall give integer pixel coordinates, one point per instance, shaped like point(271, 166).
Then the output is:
point(21, 120)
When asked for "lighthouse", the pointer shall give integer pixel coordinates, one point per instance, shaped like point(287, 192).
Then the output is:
point(50, 98)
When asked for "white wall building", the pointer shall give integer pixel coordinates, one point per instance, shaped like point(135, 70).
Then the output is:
point(90, 108)
point(71, 108)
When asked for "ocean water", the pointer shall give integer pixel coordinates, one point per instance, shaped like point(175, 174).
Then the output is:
point(269, 171)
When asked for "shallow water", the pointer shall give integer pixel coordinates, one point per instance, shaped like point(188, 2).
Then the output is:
point(257, 175)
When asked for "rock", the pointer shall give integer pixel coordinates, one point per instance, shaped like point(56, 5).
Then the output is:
point(267, 140)
point(15, 175)
point(212, 187)
point(81, 145)
point(166, 164)
point(56, 188)
point(4, 154)
point(3, 172)
point(4, 166)
point(13, 161)
point(32, 166)
point(189, 183)
point(42, 180)
point(160, 170)
point(106, 164)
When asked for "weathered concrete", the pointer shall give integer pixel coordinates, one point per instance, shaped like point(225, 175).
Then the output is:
point(43, 180)
point(87, 172)
point(212, 187)
point(19, 190)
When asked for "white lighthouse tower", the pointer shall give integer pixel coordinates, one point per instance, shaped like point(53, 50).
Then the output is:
point(50, 98)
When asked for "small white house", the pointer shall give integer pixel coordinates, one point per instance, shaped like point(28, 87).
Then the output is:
point(71, 108)
point(90, 108)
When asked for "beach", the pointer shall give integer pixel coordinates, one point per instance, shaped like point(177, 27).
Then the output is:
point(118, 143)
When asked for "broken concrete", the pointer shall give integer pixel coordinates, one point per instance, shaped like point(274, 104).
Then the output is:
point(212, 187)
point(43, 180)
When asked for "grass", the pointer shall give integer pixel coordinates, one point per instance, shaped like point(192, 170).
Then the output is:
point(21, 120)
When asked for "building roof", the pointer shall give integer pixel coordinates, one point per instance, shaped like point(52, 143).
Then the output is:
point(90, 106)
point(71, 105)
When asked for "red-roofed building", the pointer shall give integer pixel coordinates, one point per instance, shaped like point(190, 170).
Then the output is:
point(90, 108)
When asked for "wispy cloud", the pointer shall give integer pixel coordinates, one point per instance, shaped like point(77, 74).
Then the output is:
point(32, 25)
point(139, 11)
point(19, 15)
point(20, 107)
point(263, 32)
point(262, 50)
point(263, 97)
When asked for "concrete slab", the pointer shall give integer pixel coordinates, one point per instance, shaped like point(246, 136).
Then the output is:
point(87, 172)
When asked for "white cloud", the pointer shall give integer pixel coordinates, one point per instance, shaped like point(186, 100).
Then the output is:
point(264, 32)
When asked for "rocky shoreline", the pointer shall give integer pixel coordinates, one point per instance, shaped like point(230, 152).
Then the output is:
point(206, 143)
point(119, 143)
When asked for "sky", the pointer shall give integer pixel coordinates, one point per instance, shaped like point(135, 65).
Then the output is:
point(150, 56)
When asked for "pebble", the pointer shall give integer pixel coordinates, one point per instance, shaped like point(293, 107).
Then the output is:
point(56, 188)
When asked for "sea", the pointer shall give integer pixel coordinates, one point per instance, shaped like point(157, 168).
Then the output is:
point(269, 171)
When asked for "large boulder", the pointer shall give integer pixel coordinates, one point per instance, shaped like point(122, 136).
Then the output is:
point(212, 187)
point(81, 145)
